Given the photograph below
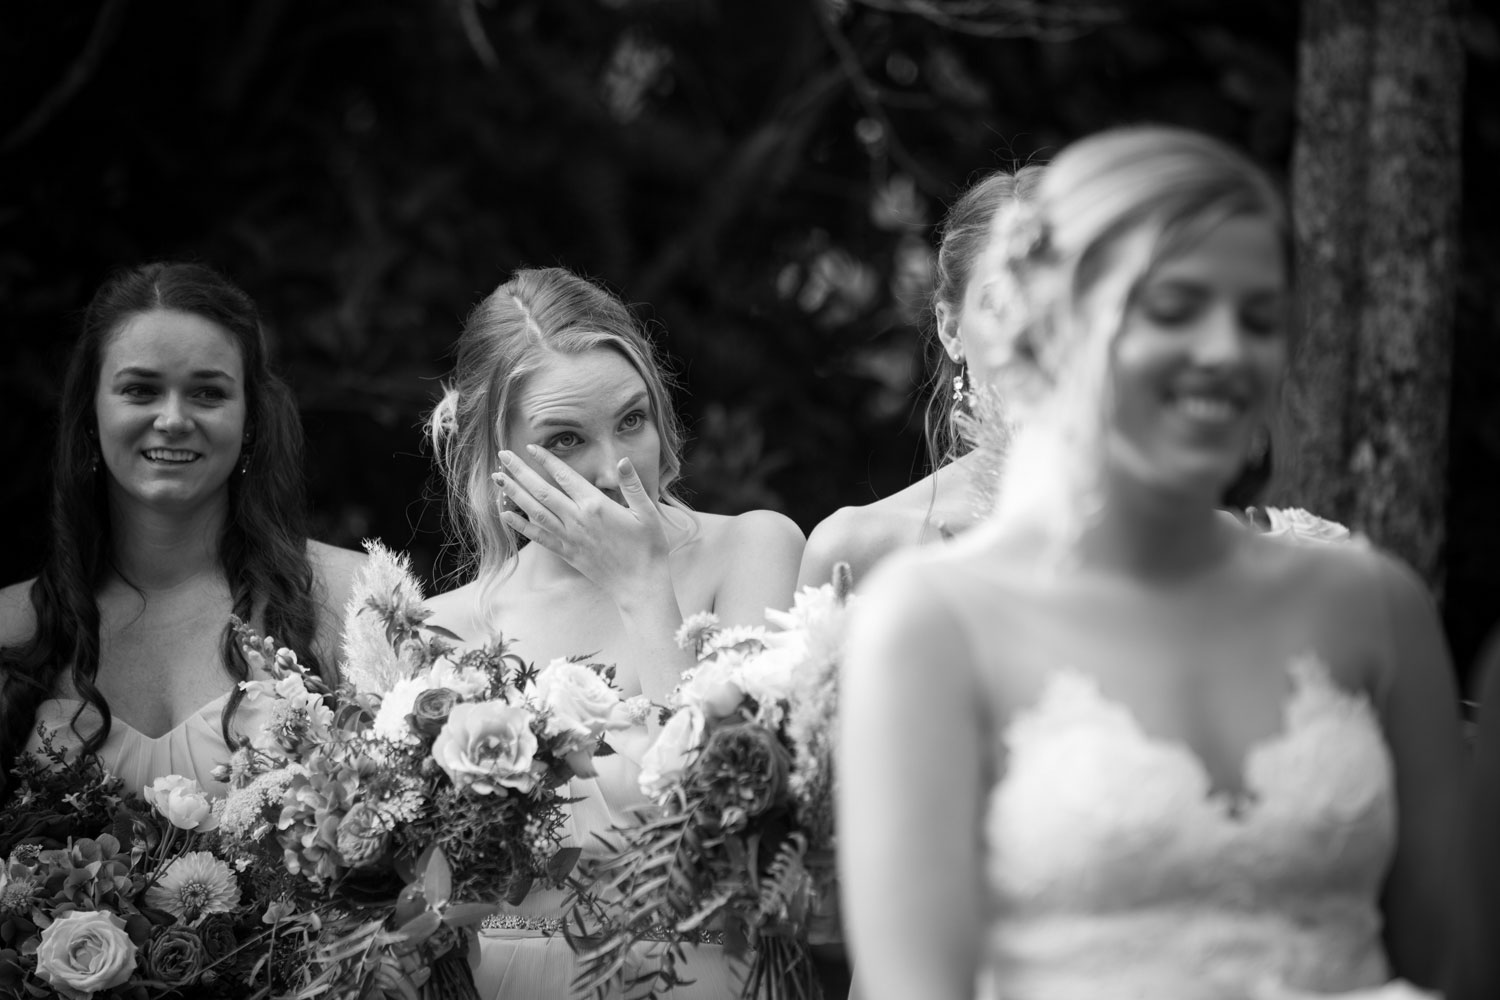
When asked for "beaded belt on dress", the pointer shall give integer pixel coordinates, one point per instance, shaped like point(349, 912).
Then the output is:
point(553, 925)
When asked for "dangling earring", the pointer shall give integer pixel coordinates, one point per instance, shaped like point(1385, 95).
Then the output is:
point(245, 455)
point(94, 465)
point(958, 386)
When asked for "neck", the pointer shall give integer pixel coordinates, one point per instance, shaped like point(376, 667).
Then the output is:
point(159, 550)
point(1154, 536)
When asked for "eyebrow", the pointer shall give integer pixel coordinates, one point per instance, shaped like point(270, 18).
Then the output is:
point(201, 373)
point(634, 401)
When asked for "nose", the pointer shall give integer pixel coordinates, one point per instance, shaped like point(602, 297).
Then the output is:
point(1222, 339)
point(605, 475)
point(172, 417)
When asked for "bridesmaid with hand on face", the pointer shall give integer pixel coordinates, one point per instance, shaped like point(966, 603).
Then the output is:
point(949, 500)
point(177, 502)
point(561, 453)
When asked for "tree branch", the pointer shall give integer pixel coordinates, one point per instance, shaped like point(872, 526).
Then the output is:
point(106, 27)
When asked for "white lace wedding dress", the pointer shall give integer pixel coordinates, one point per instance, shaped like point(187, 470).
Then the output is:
point(1116, 871)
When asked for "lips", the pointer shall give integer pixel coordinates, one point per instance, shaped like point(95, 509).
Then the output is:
point(1213, 405)
point(170, 456)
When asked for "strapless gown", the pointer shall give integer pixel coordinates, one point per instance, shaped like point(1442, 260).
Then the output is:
point(522, 955)
point(193, 748)
point(1115, 871)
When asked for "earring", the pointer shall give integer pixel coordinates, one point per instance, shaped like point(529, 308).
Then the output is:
point(94, 465)
point(958, 387)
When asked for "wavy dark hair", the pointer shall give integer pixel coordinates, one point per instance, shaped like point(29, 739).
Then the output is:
point(963, 237)
point(263, 546)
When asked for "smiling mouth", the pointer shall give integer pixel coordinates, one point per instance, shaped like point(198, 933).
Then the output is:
point(170, 456)
point(1208, 408)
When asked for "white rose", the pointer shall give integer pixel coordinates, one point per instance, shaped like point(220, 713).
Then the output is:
point(679, 740)
point(768, 677)
point(85, 952)
point(710, 687)
point(1297, 524)
point(487, 746)
point(183, 802)
point(581, 705)
point(469, 683)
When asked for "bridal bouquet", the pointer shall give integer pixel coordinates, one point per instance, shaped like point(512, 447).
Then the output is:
point(146, 902)
point(407, 804)
point(738, 842)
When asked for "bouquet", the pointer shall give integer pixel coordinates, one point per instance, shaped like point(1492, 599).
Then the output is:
point(404, 806)
point(147, 903)
point(738, 841)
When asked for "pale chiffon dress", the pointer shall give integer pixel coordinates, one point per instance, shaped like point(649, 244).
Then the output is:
point(192, 748)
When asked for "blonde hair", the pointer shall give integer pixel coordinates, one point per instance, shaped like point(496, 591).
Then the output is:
point(508, 337)
point(1108, 210)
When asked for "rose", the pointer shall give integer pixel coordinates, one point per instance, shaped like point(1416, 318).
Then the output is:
point(710, 688)
point(1298, 525)
point(487, 746)
point(741, 773)
point(84, 952)
point(218, 937)
point(769, 677)
point(183, 802)
point(469, 683)
point(175, 956)
point(663, 765)
point(430, 710)
point(362, 835)
point(581, 707)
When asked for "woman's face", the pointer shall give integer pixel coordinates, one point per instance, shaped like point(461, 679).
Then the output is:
point(170, 407)
point(976, 335)
point(590, 410)
point(1198, 362)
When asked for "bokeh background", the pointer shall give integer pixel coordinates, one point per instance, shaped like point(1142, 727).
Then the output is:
point(760, 178)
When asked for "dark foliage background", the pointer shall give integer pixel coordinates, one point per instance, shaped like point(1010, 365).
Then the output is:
point(760, 177)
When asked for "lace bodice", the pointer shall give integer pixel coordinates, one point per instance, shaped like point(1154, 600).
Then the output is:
point(1116, 870)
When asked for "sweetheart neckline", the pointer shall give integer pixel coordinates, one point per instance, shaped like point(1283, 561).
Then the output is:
point(1306, 672)
point(115, 720)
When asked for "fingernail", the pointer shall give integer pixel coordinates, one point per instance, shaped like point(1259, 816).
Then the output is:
point(533, 449)
point(505, 457)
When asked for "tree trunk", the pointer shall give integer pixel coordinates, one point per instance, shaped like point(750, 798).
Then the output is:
point(1375, 196)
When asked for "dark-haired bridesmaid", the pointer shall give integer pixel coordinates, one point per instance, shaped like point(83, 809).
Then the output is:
point(177, 502)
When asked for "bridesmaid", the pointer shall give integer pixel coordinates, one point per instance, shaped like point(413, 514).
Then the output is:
point(947, 501)
point(576, 544)
point(177, 501)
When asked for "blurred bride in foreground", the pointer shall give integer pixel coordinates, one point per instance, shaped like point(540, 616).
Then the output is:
point(1113, 744)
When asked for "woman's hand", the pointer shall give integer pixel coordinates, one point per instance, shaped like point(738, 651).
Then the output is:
point(620, 548)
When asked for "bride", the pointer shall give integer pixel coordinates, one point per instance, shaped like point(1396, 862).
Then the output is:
point(1115, 745)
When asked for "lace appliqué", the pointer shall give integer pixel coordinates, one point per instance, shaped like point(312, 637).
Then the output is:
point(1110, 854)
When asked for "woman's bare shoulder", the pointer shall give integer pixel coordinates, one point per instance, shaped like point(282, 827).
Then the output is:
point(336, 570)
point(861, 537)
point(17, 615)
point(455, 610)
point(726, 534)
